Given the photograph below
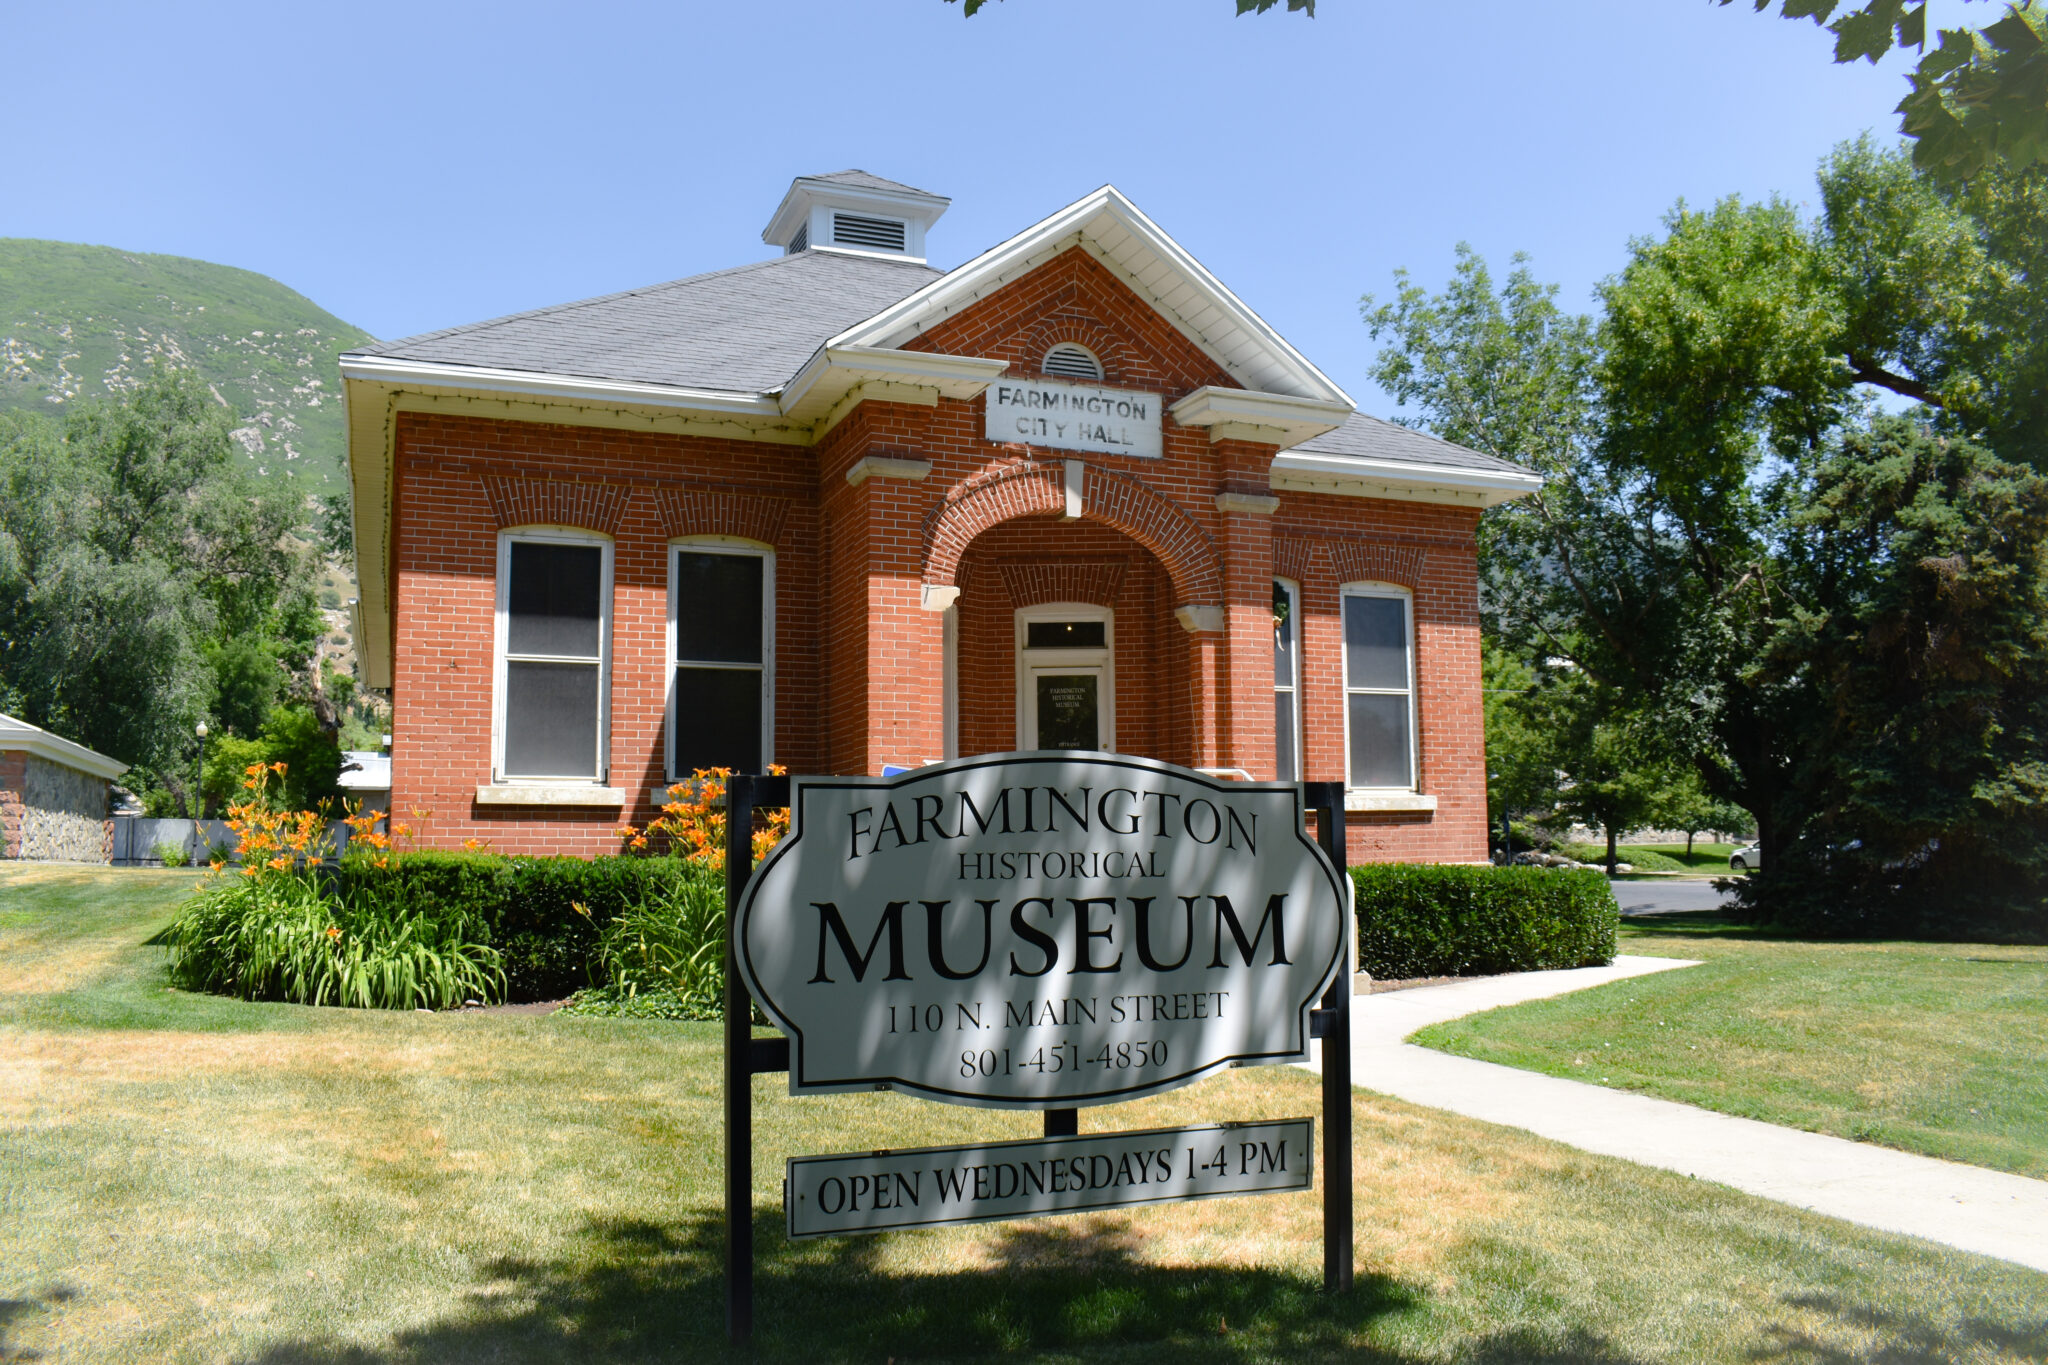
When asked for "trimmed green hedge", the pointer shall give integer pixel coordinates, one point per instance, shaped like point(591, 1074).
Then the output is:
point(525, 907)
point(1437, 920)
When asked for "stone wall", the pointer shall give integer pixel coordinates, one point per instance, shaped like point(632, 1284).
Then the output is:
point(54, 813)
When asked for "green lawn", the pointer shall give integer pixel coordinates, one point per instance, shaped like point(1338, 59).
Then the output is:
point(1658, 857)
point(187, 1179)
point(1938, 1048)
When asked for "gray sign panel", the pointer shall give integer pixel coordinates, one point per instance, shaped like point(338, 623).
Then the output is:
point(1045, 412)
point(1040, 930)
point(826, 1196)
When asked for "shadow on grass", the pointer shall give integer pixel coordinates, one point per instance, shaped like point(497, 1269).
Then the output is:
point(13, 1311)
point(638, 1291)
point(1714, 924)
point(1906, 1337)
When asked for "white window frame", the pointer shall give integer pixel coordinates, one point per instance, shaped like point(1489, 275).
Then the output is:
point(1101, 660)
point(718, 545)
point(502, 626)
point(1292, 590)
point(1407, 600)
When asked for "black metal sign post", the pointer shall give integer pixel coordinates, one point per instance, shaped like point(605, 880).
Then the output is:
point(1332, 1023)
point(747, 1056)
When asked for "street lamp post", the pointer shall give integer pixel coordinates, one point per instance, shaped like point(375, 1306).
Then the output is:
point(199, 790)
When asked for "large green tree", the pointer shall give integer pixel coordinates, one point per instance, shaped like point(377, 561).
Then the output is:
point(144, 579)
point(1913, 632)
point(1723, 391)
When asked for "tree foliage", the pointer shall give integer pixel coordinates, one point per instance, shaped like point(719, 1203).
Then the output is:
point(1737, 565)
point(143, 577)
point(1915, 636)
point(1978, 99)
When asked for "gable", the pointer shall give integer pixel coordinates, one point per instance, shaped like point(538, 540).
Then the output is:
point(1074, 298)
point(1117, 235)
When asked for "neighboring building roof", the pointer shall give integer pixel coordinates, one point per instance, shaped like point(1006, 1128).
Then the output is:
point(372, 772)
point(1373, 438)
point(20, 735)
point(744, 330)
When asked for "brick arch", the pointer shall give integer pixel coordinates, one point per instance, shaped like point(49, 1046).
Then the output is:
point(1034, 582)
point(517, 501)
point(1349, 561)
point(1070, 319)
point(713, 512)
point(1031, 487)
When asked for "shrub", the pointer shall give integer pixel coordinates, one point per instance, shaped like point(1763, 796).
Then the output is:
point(611, 1002)
point(674, 940)
point(279, 936)
point(401, 929)
point(544, 916)
point(1635, 855)
point(1429, 920)
point(170, 854)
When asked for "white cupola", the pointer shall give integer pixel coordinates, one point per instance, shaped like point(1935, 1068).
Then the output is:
point(854, 212)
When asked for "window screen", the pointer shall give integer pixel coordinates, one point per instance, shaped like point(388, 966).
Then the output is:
point(1286, 728)
point(554, 633)
point(721, 662)
point(1378, 691)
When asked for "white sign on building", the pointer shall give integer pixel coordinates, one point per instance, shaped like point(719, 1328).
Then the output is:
point(1040, 930)
point(1045, 412)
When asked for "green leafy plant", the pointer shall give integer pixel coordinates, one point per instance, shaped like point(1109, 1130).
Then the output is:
point(673, 940)
point(281, 938)
point(523, 907)
point(1448, 920)
point(170, 854)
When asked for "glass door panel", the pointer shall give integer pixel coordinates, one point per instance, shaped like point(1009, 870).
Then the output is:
point(1068, 707)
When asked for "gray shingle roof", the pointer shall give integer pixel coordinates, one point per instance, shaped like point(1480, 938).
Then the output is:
point(861, 180)
point(1375, 439)
point(745, 330)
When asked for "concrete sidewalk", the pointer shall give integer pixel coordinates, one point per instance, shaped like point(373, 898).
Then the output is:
point(1967, 1207)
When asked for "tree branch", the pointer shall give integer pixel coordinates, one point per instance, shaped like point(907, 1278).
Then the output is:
point(1867, 371)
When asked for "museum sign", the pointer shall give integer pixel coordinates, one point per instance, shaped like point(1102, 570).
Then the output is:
point(1039, 930)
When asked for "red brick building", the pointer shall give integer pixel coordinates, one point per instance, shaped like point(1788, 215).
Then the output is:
point(838, 510)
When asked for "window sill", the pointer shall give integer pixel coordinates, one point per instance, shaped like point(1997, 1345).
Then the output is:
point(541, 794)
point(1393, 801)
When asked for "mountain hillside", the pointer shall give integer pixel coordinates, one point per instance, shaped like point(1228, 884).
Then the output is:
point(77, 321)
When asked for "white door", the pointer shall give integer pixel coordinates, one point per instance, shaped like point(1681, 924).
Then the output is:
point(1066, 681)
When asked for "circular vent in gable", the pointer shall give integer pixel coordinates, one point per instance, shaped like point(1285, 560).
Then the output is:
point(1072, 362)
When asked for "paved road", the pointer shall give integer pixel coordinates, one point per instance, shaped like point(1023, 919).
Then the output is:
point(1988, 1212)
point(1666, 895)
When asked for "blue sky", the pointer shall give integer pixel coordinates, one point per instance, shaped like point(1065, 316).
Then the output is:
point(412, 166)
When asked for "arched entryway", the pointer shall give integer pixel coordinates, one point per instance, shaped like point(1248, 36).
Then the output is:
point(1062, 626)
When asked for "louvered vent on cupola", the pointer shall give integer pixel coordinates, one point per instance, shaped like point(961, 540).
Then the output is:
point(875, 234)
point(1072, 362)
point(855, 214)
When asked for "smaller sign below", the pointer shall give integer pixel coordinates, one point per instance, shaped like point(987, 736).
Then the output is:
point(1044, 412)
point(834, 1195)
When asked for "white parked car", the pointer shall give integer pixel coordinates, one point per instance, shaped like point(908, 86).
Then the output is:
point(1748, 858)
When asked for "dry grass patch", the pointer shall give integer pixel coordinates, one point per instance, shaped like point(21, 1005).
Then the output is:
point(216, 1181)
